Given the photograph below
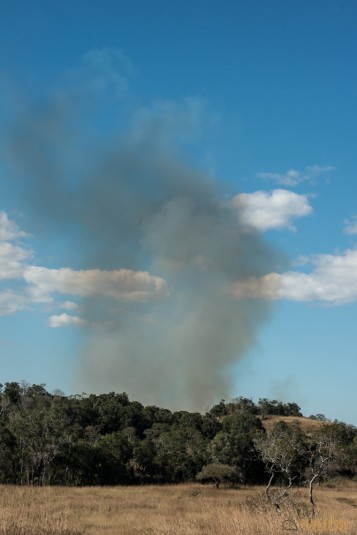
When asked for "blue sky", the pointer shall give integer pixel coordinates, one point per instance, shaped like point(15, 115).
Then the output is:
point(258, 97)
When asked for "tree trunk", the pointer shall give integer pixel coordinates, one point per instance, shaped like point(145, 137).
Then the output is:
point(267, 488)
point(311, 498)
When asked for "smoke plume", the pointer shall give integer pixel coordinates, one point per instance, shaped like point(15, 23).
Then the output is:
point(129, 200)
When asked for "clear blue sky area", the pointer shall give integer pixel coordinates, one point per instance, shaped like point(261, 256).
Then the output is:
point(257, 97)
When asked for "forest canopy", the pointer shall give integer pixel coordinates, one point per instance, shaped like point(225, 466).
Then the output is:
point(54, 439)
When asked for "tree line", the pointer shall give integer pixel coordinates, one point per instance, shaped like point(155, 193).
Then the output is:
point(53, 439)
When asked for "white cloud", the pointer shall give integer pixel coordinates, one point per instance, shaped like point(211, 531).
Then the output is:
point(40, 284)
point(64, 320)
point(12, 260)
point(8, 229)
point(293, 177)
point(333, 281)
point(350, 225)
point(118, 284)
point(12, 257)
point(262, 210)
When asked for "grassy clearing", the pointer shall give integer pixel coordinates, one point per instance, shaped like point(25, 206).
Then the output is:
point(170, 510)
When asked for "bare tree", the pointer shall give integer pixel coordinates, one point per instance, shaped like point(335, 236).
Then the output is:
point(281, 449)
point(323, 454)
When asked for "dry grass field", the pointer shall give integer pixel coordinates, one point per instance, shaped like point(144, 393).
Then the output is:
point(170, 510)
point(307, 425)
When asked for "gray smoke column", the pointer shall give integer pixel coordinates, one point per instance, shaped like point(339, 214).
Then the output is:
point(131, 202)
point(179, 350)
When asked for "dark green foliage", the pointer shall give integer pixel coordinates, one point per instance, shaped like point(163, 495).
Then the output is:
point(234, 445)
point(265, 407)
point(107, 439)
point(218, 473)
point(268, 407)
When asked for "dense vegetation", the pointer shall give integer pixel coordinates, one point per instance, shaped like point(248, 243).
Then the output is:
point(107, 439)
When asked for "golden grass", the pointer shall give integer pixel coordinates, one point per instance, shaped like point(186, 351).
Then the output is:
point(170, 510)
point(307, 425)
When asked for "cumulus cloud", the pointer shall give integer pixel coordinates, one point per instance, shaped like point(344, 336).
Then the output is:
point(13, 260)
point(118, 284)
point(64, 320)
point(332, 281)
point(350, 225)
point(262, 210)
point(293, 177)
point(38, 284)
point(8, 229)
point(13, 257)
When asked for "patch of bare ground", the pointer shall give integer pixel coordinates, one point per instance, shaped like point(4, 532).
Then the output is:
point(171, 510)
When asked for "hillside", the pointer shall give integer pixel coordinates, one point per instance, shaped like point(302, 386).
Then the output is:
point(307, 425)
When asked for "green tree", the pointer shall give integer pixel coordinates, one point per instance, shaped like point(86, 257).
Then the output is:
point(113, 453)
point(218, 473)
point(144, 461)
point(234, 445)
